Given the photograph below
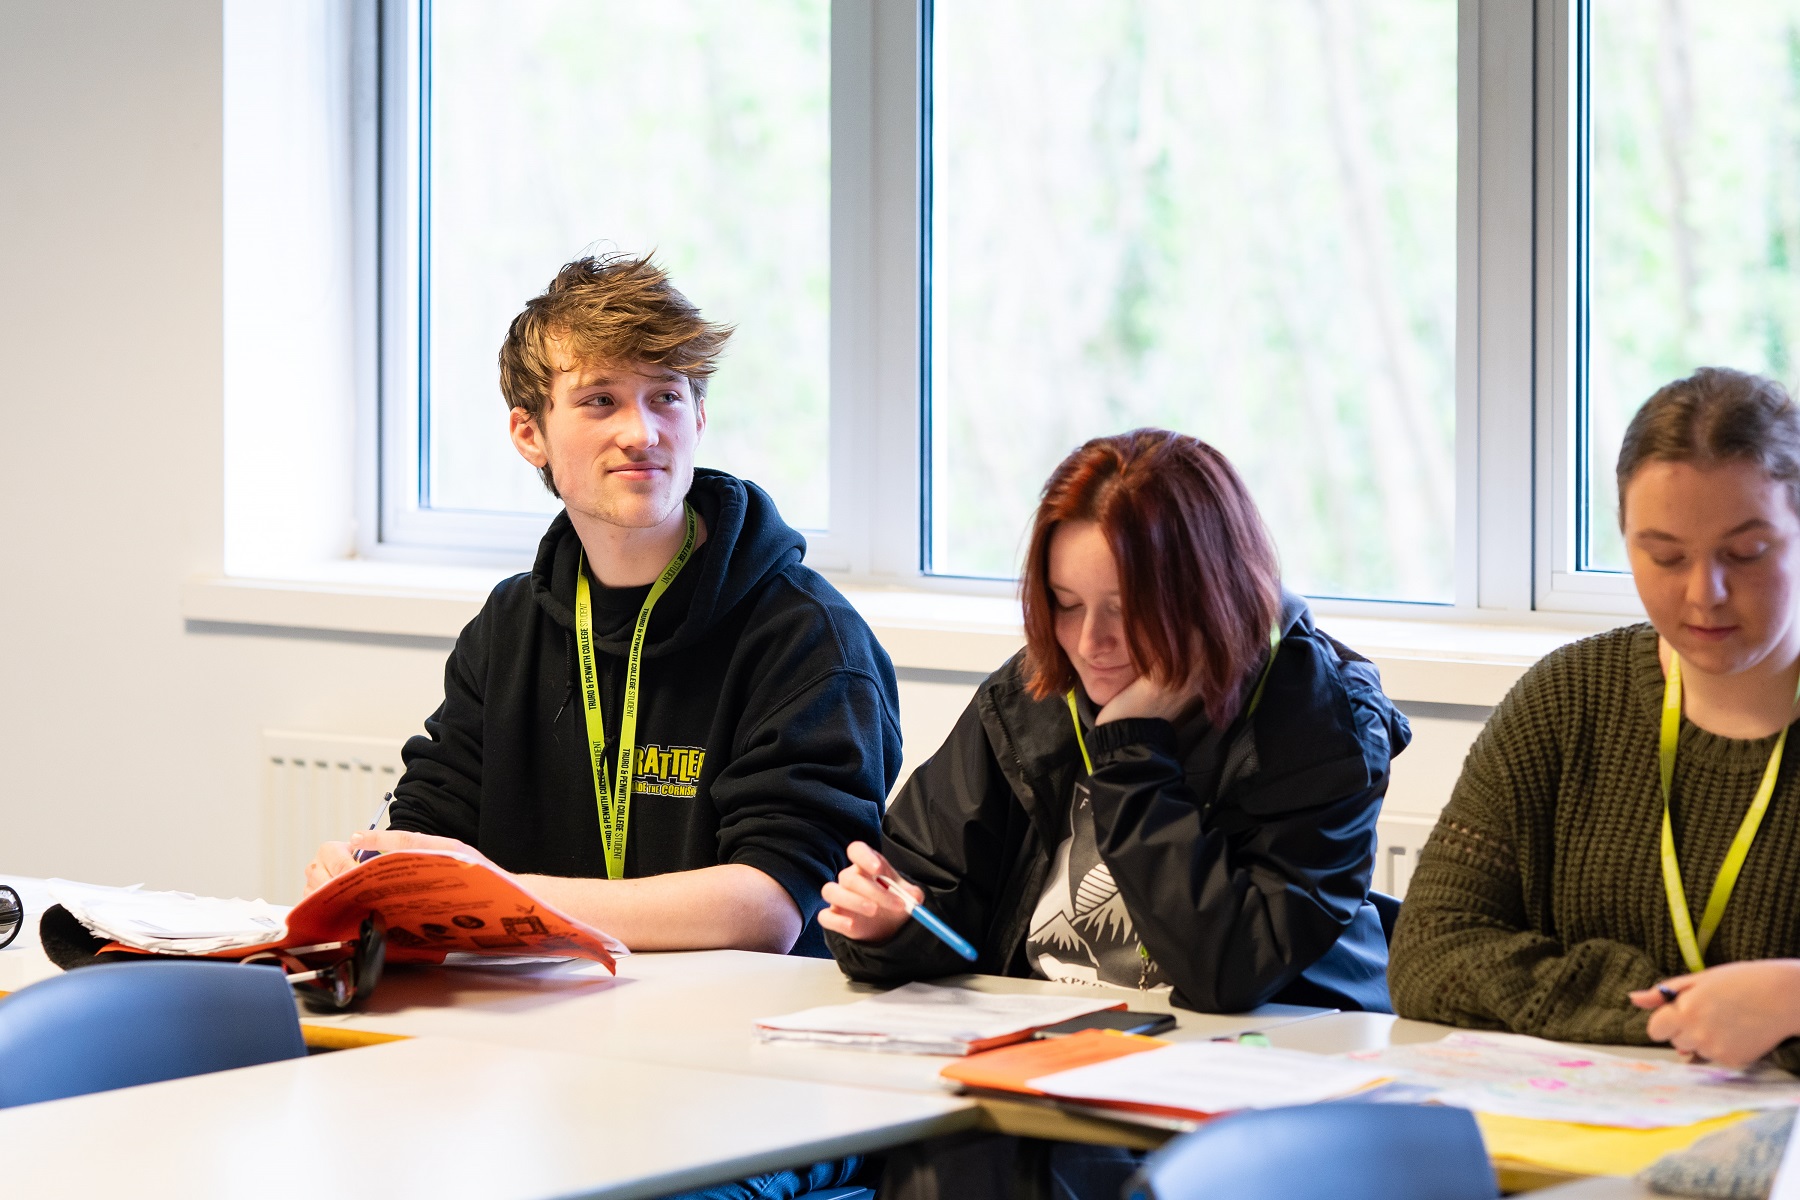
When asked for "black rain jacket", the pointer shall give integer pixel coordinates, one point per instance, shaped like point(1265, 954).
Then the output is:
point(768, 723)
point(1245, 868)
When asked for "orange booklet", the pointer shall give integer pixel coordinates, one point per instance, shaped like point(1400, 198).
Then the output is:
point(436, 903)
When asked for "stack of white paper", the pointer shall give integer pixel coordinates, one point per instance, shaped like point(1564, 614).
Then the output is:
point(170, 922)
point(1211, 1077)
point(920, 1018)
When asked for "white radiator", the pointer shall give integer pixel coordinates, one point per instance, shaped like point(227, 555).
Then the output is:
point(1398, 842)
point(317, 787)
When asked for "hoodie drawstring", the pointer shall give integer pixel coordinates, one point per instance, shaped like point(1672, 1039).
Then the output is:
point(569, 689)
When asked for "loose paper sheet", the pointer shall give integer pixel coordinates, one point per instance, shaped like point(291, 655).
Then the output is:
point(1212, 1077)
point(171, 922)
point(921, 1018)
point(1520, 1076)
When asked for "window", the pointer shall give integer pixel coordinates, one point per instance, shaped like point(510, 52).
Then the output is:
point(1234, 220)
point(523, 135)
point(1692, 207)
point(1410, 263)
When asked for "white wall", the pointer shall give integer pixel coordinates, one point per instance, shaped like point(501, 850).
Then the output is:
point(128, 742)
point(128, 738)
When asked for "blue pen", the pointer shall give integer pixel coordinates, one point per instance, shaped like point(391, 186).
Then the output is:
point(929, 920)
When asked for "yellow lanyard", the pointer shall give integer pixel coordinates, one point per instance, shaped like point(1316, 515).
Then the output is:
point(1693, 949)
point(1255, 698)
point(615, 807)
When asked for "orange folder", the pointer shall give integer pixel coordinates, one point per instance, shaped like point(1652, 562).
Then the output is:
point(1009, 1070)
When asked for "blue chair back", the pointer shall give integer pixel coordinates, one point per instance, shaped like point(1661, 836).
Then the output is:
point(120, 1024)
point(1344, 1151)
point(1388, 909)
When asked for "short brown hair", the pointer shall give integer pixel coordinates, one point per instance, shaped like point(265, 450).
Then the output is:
point(607, 308)
point(1713, 416)
point(1198, 576)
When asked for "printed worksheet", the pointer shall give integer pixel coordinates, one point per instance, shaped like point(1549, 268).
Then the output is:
point(1512, 1075)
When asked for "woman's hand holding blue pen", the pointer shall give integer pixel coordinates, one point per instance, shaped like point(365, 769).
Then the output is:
point(861, 907)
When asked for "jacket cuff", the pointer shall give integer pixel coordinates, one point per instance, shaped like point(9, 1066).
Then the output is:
point(1153, 732)
point(912, 953)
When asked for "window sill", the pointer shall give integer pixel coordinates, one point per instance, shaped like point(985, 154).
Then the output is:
point(354, 596)
point(1422, 660)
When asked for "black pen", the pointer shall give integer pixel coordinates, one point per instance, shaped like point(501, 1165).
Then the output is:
point(363, 856)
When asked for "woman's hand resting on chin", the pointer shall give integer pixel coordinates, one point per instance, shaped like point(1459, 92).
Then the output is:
point(1147, 696)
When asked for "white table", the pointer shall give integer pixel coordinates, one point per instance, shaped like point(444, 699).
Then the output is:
point(1608, 1187)
point(692, 1009)
point(582, 1056)
point(579, 1055)
point(1343, 1032)
point(443, 1116)
point(440, 1117)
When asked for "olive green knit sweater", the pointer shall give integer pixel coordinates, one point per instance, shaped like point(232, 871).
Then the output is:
point(1538, 901)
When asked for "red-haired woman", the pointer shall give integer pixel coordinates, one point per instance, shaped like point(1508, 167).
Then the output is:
point(1175, 783)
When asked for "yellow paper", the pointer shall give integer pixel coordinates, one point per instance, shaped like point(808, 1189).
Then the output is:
point(1589, 1149)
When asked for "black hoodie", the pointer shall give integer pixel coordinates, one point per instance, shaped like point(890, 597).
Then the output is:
point(768, 720)
point(1243, 859)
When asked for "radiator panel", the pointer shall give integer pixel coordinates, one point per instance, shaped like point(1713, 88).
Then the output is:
point(1400, 840)
point(317, 788)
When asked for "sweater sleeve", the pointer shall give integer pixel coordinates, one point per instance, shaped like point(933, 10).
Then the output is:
point(440, 793)
point(809, 780)
point(1473, 947)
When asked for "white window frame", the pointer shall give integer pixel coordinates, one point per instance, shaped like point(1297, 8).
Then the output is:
point(1561, 584)
point(1517, 304)
point(873, 322)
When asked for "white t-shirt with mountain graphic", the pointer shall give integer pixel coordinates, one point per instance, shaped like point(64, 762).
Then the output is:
point(1080, 930)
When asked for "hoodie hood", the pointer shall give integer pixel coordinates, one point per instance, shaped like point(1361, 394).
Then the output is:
point(746, 543)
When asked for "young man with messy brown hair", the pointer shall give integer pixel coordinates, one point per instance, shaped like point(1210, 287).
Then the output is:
point(766, 727)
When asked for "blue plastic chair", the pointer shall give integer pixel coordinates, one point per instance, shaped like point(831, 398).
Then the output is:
point(1339, 1151)
point(120, 1024)
point(1388, 909)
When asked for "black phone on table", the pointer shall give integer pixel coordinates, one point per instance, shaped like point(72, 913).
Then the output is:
point(1121, 1019)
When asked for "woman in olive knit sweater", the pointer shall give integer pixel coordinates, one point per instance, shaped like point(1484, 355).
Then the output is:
point(1554, 897)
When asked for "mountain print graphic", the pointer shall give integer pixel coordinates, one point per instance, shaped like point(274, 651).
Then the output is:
point(1081, 930)
point(1058, 936)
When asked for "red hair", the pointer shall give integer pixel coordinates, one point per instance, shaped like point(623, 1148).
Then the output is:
point(1199, 582)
